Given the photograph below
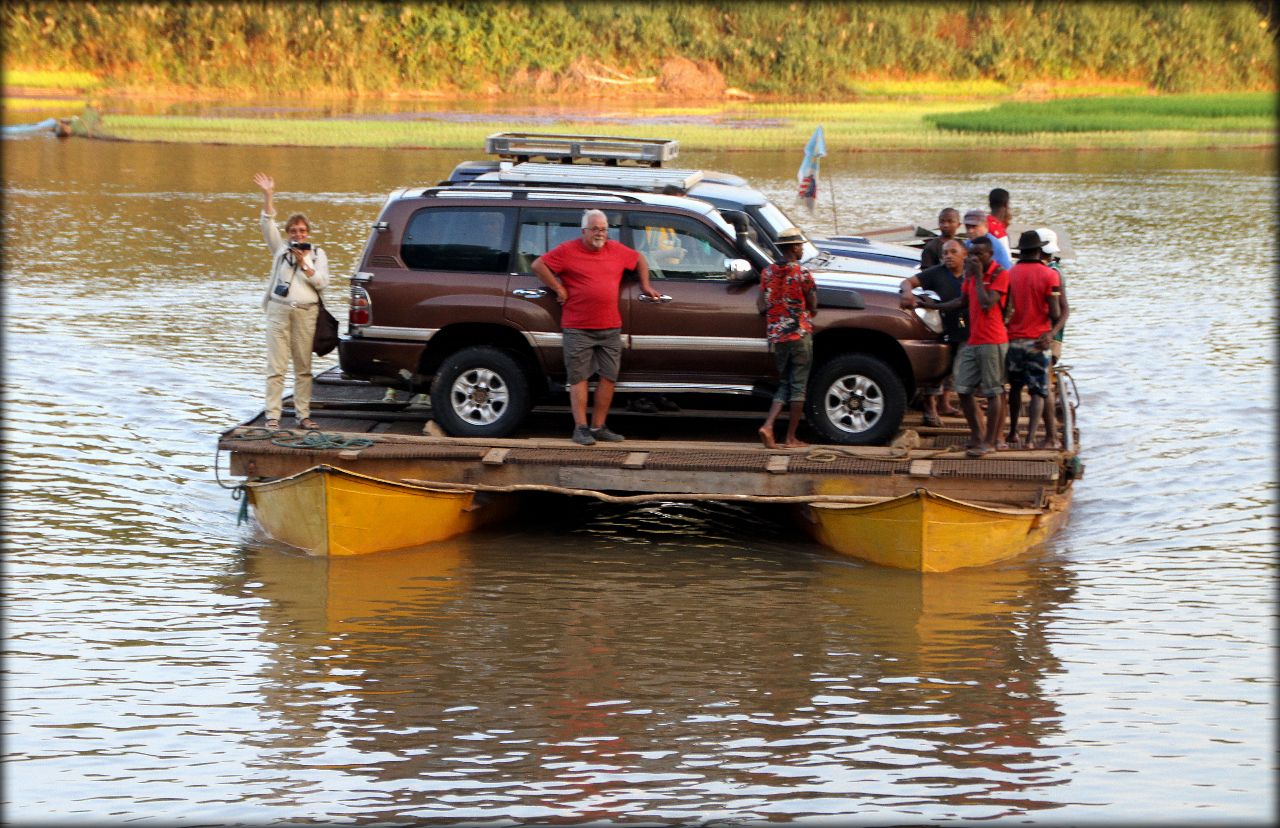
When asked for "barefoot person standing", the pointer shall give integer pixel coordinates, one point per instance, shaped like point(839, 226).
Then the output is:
point(299, 272)
point(789, 299)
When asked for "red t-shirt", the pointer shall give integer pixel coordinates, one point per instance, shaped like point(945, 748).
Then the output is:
point(987, 327)
point(592, 279)
point(1030, 284)
point(996, 227)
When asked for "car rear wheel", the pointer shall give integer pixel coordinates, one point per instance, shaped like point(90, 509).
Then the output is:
point(855, 400)
point(480, 392)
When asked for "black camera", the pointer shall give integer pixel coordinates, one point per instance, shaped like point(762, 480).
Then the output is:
point(281, 289)
point(300, 245)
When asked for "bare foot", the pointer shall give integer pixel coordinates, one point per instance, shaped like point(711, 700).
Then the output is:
point(766, 437)
point(1014, 441)
point(795, 443)
point(950, 412)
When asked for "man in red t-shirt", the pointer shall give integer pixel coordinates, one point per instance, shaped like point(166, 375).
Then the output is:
point(1035, 290)
point(586, 275)
point(1000, 216)
point(980, 364)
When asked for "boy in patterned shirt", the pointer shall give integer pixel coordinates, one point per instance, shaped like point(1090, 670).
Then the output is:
point(789, 299)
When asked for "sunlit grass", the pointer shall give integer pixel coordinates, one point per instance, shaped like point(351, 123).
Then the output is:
point(847, 128)
point(1241, 112)
point(931, 89)
point(32, 79)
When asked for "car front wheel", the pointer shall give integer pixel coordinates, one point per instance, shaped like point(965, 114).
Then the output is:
point(480, 392)
point(855, 400)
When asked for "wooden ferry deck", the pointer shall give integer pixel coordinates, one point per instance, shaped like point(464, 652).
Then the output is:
point(702, 454)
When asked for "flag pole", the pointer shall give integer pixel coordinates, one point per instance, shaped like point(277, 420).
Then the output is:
point(835, 222)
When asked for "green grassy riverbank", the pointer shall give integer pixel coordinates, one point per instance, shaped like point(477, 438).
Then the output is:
point(1112, 123)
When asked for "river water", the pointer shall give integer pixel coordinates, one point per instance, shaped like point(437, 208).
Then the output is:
point(656, 665)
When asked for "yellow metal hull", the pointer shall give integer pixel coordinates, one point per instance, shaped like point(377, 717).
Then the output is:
point(926, 532)
point(330, 511)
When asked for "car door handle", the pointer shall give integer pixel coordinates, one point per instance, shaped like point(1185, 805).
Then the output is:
point(529, 293)
point(661, 300)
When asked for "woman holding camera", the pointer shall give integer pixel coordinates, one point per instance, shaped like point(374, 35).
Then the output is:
point(299, 272)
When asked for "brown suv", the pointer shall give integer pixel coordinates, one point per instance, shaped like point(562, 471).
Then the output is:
point(444, 294)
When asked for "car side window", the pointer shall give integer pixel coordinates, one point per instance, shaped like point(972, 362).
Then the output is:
point(678, 248)
point(470, 239)
point(543, 228)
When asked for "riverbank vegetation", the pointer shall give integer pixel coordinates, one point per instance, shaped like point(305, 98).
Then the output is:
point(680, 51)
point(1254, 112)
point(1178, 121)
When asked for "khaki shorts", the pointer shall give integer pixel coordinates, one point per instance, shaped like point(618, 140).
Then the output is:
point(590, 351)
point(793, 359)
point(980, 369)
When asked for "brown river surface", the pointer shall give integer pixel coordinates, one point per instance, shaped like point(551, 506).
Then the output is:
point(692, 664)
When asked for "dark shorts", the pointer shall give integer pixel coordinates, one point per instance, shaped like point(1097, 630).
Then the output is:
point(980, 369)
point(793, 359)
point(588, 352)
point(1028, 367)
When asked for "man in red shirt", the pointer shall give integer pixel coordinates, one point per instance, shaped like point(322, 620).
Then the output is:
point(980, 364)
point(1000, 216)
point(586, 275)
point(1035, 290)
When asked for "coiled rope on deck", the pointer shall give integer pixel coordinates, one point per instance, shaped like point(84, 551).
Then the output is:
point(316, 440)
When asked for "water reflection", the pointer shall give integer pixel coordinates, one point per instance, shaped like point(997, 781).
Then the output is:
point(477, 678)
point(672, 663)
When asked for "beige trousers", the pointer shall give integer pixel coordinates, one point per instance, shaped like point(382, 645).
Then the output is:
point(289, 335)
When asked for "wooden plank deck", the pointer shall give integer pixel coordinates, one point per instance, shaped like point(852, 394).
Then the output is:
point(676, 453)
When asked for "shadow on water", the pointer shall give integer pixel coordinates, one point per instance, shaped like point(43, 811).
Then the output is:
point(686, 657)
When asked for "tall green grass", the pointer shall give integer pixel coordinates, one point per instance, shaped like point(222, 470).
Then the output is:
point(820, 50)
point(1228, 113)
point(848, 127)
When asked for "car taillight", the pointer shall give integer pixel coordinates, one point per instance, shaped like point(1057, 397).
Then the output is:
point(360, 311)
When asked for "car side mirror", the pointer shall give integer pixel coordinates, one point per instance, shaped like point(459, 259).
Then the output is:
point(738, 270)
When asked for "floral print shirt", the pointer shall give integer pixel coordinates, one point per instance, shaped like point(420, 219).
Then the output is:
point(784, 287)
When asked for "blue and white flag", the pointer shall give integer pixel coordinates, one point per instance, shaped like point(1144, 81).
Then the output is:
point(808, 174)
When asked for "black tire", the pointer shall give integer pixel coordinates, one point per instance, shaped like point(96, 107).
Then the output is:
point(855, 400)
point(480, 392)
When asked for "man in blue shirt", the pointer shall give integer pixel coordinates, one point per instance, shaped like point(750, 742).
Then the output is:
point(975, 227)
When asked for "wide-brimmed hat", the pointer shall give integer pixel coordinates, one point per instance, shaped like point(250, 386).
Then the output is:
point(1048, 241)
point(791, 235)
point(1029, 240)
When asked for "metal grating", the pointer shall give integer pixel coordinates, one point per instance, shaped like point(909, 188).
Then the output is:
point(944, 440)
point(996, 469)
point(849, 465)
point(567, 457)
point(713, 461)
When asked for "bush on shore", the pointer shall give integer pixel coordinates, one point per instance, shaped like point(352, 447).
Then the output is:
point(818, 50)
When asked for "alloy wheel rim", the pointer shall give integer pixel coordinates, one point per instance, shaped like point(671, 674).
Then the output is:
point(479, 396)
point(854, 403)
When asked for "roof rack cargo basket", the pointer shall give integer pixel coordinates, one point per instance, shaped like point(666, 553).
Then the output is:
point(522, 146)
point(635, 178)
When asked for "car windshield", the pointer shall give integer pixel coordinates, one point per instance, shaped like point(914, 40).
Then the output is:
point(775, 221)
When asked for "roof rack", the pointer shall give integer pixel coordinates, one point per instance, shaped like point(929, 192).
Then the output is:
point(474, 191)
point(631, 178)
point(522, 146)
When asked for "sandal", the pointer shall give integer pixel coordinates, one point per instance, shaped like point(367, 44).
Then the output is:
point(309, 424)
point(932, 421)
point(272, 425)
